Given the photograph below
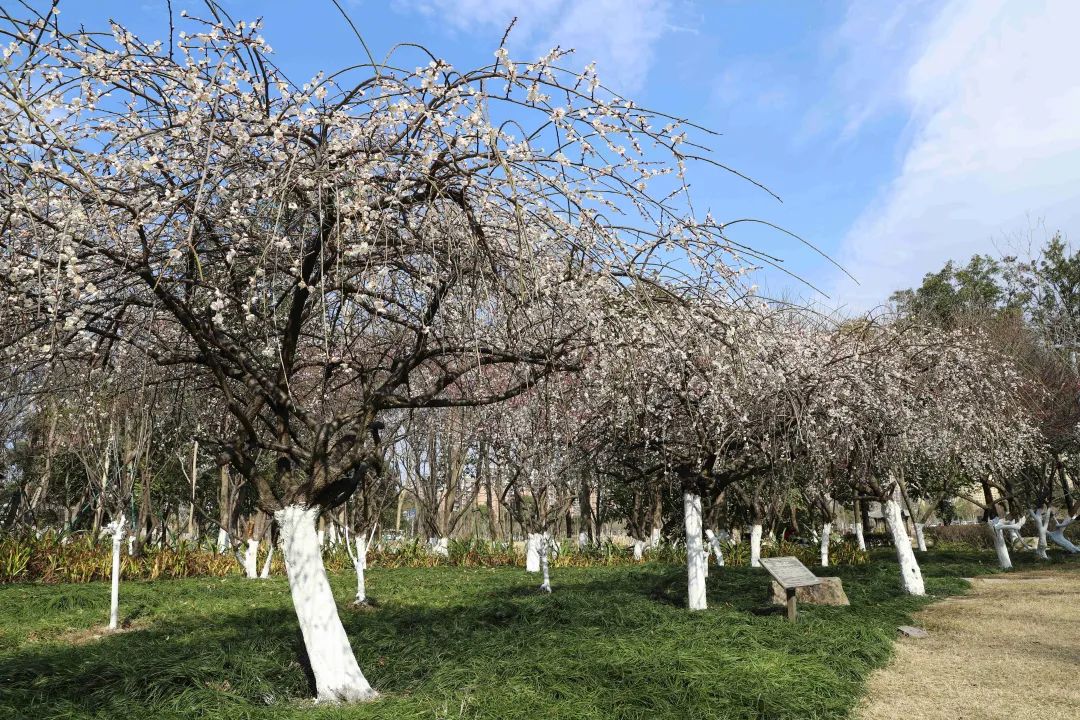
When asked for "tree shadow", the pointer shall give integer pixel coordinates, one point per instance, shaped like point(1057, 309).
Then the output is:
point(620, 635)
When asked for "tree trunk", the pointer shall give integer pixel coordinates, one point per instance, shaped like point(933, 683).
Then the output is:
point(191, 527)
point(360, 565)
point(920, 537)
point(911, 578)
point(588, 520)
point(1041, 516)
point(1000, 546)
point(1065, 491)
point(224, 509)
point(1057, 536)
point(639, 546)
point(117, 527)
point(859, 537)
point(714, 543)
point(695, 552)
point(755, 544)
point(826, 531)
point(545, 546)
point(337, 674)
point(657, 518)
point(251, 559)
point(532, 553)
point(270, 542)
point(864, 513)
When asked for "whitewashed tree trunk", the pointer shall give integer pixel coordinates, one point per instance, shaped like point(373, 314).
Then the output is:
point(755, 545)
point(532, 552)
point(360, 565)
point(714, 544)
point(736, 536)
point(222, 541)
point(337, 675)
point(654, 538)
point(859, 537)
point(1000, 546)
point(332, 534)
point(1057, 536)
point(1041, 516)
point(695, 552)
point(131, 545)
point(251, 559)
point(826, 532)
point(583, 539)
point(268, 561)
point(639, 547)
point(999, 527)
point(117, 529)
point(440, 546)
point(920, 537)
point(911, 578)
point(544, 548)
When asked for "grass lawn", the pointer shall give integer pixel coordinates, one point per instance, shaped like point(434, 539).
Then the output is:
point(462, 643)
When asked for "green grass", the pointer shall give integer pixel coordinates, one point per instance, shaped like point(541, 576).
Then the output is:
point(611, 642)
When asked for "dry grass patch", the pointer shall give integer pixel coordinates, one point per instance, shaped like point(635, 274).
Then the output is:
point(1009, 649)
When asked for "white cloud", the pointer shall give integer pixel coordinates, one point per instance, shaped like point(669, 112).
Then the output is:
point(994, 101)
point(618, 35)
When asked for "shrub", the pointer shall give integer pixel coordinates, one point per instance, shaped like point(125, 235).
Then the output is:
point(971, 537)
point(52, 558)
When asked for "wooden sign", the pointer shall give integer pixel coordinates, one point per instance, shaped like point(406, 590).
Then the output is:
point(792, 575)
point(789, 572)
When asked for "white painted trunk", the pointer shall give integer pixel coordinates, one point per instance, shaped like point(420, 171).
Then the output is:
point(440, 546)
point(654, 538)
point(1058, 538)
point(251, 558)
point(736, 536)
point(755, 545)
point(639, 546)
point(911, 578)
point(222, 541)
point(695, 552)
point(920, 537)
point(826, 532)
point(337, 674)
point(1042, 526)
point(859, 537)
point(532, 552)
point(114, 603)
point(360, 564)
point(268, 561)
point(583, 540)
point(332, 534)
point(714, 544)
point(131, 545)
point(1000, 546)
point(544, 543)
point(322, 537)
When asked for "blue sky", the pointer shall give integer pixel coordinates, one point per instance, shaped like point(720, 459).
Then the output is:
point(898, 134)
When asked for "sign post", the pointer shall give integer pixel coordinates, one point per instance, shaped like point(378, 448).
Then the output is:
point(792, 575)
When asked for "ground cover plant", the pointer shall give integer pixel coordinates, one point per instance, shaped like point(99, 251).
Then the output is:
point(464, 642)
point(48, 559)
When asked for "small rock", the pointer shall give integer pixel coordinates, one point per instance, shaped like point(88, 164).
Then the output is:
point(829, 592)
point(913, 632)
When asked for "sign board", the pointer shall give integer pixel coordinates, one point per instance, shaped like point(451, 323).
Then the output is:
point(789, 572)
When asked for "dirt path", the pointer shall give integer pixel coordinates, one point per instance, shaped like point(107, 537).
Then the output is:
point(1008, 649)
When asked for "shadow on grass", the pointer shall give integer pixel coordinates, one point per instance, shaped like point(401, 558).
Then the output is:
point(609, 642)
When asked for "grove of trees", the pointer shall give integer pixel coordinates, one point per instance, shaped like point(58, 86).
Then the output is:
point(236, 309)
